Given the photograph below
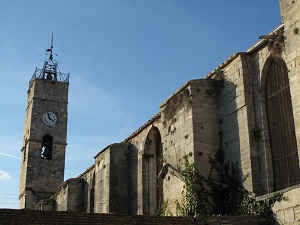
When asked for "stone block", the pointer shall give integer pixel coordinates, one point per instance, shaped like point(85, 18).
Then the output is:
point(289, 215)
point(297, 213)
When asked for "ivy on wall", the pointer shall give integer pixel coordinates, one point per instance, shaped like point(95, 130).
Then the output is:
point(230, 197)
point(225, 197)
point(194, 197)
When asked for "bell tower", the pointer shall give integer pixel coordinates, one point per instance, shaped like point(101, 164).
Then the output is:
point(45, 133)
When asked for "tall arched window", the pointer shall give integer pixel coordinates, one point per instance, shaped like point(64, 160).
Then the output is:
point(46, 151)
point(281, 126)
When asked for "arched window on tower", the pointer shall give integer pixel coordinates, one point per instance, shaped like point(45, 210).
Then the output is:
point(47, 146)
point(281, 126)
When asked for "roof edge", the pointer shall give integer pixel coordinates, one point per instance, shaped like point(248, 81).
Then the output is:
point(139, 130)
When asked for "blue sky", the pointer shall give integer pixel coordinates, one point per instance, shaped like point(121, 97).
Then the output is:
point(125, 58)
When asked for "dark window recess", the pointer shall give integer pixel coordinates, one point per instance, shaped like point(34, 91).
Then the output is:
point(47, 147)
point(281, 127)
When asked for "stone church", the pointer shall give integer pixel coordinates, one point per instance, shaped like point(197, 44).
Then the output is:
point(249, 105)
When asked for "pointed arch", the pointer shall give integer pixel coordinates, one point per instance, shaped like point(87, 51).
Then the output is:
point(152, 165)
point(279, 122)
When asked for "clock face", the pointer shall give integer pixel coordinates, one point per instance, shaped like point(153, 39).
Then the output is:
point(49, 118)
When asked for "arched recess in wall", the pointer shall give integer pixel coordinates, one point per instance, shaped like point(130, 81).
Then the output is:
point(280, 137)
point(47, 147)
point(152, 165)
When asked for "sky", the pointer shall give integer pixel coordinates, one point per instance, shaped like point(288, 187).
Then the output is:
point(125, 57)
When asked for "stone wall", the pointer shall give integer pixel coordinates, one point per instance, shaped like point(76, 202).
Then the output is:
point(70, 196)
point(177, 141)
point(290, 11)
point(288, 212)
point(142, 178)
point(32, 217)
point(102, 181)
point(236, 117)
point(89, 189)
point(257, 61)
point(128, 177)
point(186, 125)
point(39, 178)
point(205, 132)
point(45, 205)
point(120, 185)
point(226, 109)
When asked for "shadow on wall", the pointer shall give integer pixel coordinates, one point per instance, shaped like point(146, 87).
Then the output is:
point(133, 179)
point(229, 112)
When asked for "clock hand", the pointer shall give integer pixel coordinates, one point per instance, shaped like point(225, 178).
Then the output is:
point(49, 117)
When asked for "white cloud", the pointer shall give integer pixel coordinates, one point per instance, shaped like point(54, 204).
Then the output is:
point(4, 175)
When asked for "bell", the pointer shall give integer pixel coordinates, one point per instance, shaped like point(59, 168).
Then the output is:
point(49, 76)
point(46, 153)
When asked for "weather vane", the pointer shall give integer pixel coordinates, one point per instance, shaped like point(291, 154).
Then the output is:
point(49, 50)
point(50, 66)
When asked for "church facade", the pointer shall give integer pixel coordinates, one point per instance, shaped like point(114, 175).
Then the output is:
point(249, 106)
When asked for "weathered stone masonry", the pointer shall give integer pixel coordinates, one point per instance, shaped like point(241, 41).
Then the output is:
point(252, 100)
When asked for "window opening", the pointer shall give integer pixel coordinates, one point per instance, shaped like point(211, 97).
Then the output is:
point(152, 165)
point(281, 127)
point(46, 151)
